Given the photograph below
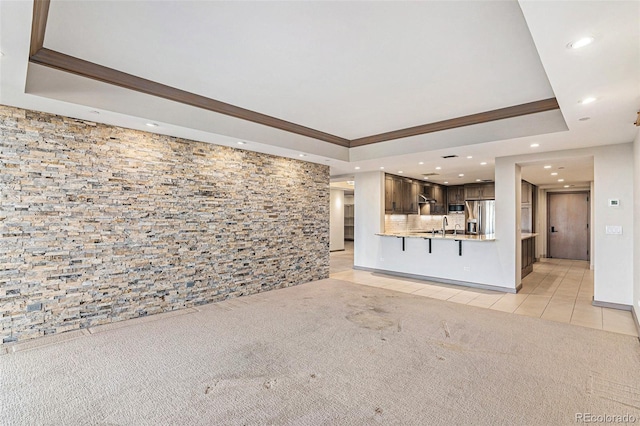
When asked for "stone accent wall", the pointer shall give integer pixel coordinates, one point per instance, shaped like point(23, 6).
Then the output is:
point(101, 224)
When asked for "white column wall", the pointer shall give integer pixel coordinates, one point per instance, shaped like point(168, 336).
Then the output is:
point(613, 266)
point(336, 220)
point(369, 217)
point(508, 216)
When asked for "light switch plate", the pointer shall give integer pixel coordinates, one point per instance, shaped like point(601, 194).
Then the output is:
point(613, 230)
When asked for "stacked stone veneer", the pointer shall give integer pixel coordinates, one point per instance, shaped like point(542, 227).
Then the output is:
point(101, 224)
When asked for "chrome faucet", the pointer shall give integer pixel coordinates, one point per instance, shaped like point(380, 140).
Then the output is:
point(445, 222)
point(455, 229)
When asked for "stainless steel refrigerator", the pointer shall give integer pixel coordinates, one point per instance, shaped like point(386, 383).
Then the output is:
point(481, 217)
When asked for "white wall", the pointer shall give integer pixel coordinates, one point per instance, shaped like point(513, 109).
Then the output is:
point(613, 261)
point(336, 220)
point(369, 216)
point(508, 213)
point(636, 238)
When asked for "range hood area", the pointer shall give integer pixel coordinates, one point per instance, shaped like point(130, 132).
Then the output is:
point(424, 200)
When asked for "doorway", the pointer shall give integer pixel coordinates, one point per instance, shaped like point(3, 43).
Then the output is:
point(568, 225)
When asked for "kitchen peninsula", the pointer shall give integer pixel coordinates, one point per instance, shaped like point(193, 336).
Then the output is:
point(408, 244)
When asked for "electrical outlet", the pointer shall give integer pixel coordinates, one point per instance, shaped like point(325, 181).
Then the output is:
point(467, 268)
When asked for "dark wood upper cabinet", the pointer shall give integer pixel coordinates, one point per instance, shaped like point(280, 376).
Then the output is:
point(481, 191)
point(400, 195)
point(455, 194)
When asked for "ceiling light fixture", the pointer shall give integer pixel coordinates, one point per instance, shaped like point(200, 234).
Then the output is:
point(478, 180)
point(484, 163)
point(426, 177)
point(567, 186)
point(554, 174)
point(400, 171)
point(438, 168)
point(469, 157)
point(357, 167)
point(587, 100)
point(582, 42)
point(547, 167)
point(241, 143)
point(560, 180)
point(381, 168)
point(152, 125)
point(535, 145)
point(421, 163)
point(446, 182)
point(302, 155)
point(461, 175)
point(350, 182)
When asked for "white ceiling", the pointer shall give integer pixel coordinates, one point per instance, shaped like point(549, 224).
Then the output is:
point(350, 68)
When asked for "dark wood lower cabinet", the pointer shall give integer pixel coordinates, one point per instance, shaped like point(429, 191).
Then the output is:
point(528, 255)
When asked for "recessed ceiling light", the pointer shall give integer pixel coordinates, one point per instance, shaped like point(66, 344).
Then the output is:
point(438, 168)
point(554, 174)
point(302, 155)
point(584, 41)
point(547, 167)
point(535, 145)
point(469, 156)
point(446, 182)
point(350, 182)
point(241, 143)
point(566, 186)
point(357, 167)
point(381, 168)
point(400, 171)
point(461, 175)
point(484, 163)
point(477, 180)
point(426, 177)
point(421, 163)
point(587, 100)
point(584, 119)
point(152, 125)
point(560, 180)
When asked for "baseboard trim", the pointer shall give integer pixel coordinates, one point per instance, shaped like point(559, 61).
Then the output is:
point(610, 305)
point(439, 280)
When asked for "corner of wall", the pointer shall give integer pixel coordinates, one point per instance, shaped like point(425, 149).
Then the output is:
point(636, 225)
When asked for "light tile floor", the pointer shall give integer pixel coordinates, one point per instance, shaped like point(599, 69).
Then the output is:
point(557, 290)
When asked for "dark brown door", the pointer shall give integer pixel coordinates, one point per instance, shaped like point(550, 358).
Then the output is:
point(569, 225)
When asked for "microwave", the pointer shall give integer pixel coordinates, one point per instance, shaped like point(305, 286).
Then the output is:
point(456, 208)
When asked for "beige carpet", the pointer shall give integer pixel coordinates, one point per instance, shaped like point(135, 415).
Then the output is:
point(328, 352)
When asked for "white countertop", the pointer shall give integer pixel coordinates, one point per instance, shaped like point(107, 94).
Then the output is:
point(459, 237)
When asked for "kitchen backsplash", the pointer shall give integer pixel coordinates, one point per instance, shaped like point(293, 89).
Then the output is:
point(403, 222)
